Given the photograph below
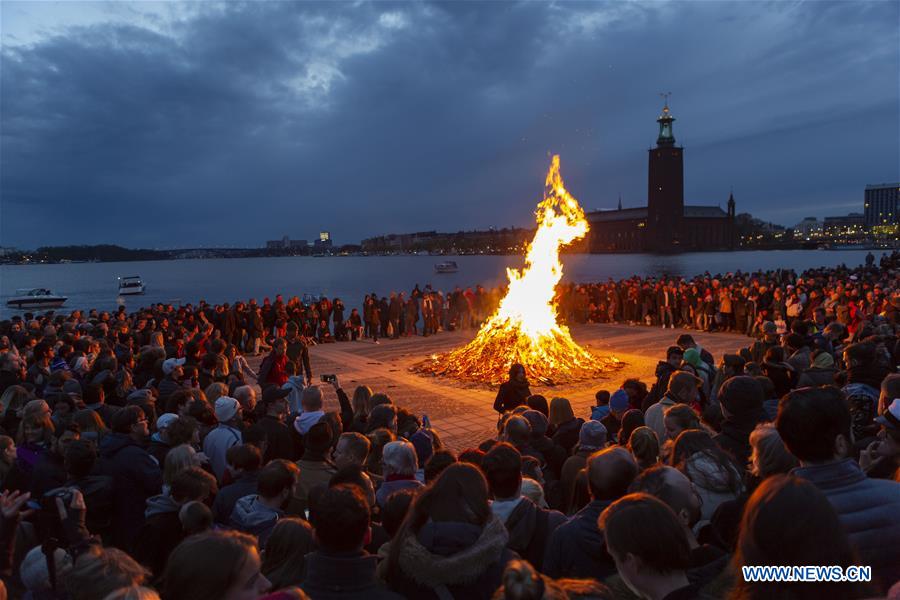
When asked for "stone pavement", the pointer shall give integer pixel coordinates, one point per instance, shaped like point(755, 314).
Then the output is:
point(463, 414)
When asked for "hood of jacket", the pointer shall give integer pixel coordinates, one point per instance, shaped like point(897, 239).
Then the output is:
point(708, 474)
point(306, 420)
point(598, 413)
point(448, 553)
point(113, 443)
point(663, 368)
point(253, 516)
point(162, 503)
point(521, 524)
point(294, 382)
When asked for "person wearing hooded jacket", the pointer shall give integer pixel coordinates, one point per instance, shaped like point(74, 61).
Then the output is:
point(577, 547)
point(528, 525)
point(162, 529)
point(664, 370)
point(136, 475)
point(683, 389)
point(715, 477)
point(741, 399)
point(820, 372)
point(257, 514)
point(816, 425)
point(864, 377)
point(450, 545)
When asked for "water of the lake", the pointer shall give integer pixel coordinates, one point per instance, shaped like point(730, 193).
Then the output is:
point(94, 285)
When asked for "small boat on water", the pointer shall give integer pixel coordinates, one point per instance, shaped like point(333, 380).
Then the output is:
point(36, 298)
point(448, 266)
point(131, 285)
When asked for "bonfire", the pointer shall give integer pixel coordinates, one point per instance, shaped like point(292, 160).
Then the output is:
point(525, 328)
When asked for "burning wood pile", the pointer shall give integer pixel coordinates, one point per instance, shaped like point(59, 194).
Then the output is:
point(525, 329)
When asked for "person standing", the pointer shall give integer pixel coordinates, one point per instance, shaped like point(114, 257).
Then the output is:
point(513, 392)
point(255, 328)
point(273, 370)
point(374, 319)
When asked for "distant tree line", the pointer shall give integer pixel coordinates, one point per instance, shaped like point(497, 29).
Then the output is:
point(101, 252)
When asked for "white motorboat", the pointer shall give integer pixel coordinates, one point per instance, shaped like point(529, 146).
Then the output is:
point(131, 285)
point(448, 266)
point(36, 298)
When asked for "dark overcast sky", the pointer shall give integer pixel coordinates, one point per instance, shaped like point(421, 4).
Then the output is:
point(173, 125)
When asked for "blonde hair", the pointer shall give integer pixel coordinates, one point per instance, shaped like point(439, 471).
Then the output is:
point(768, 454)
point(214, 391)
point(360, 403)
point(560, 411)
point(157, 340)
point(134, 592)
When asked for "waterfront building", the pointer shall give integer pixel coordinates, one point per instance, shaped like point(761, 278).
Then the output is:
point(851, 225)
point(882, 204)
point(809, 228)
point(666, 224)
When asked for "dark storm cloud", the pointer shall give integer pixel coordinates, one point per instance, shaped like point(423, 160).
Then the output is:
point(243, 122)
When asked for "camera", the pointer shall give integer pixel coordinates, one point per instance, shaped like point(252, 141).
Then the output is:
point(48, 522)
point(329, 378)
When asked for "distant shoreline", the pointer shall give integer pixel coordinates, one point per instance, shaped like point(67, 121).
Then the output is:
point(234, 254)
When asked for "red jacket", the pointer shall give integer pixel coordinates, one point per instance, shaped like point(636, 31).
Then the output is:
point(273, 370)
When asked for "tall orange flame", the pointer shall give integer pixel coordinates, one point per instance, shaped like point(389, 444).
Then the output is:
point(525, 329)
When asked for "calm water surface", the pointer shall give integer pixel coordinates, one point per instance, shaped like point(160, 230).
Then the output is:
point(94, 285)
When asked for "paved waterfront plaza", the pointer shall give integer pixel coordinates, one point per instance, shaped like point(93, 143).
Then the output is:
point(462, 414)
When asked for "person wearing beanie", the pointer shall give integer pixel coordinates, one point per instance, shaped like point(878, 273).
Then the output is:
point(593, 437)
point(683, 389)
point(225, 435)
point(741, 399)
point(618, 406)
point(821, 371)
point(423, 442)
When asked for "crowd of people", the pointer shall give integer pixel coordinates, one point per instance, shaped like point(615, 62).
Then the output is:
point(142, 457)
point(737, 302)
